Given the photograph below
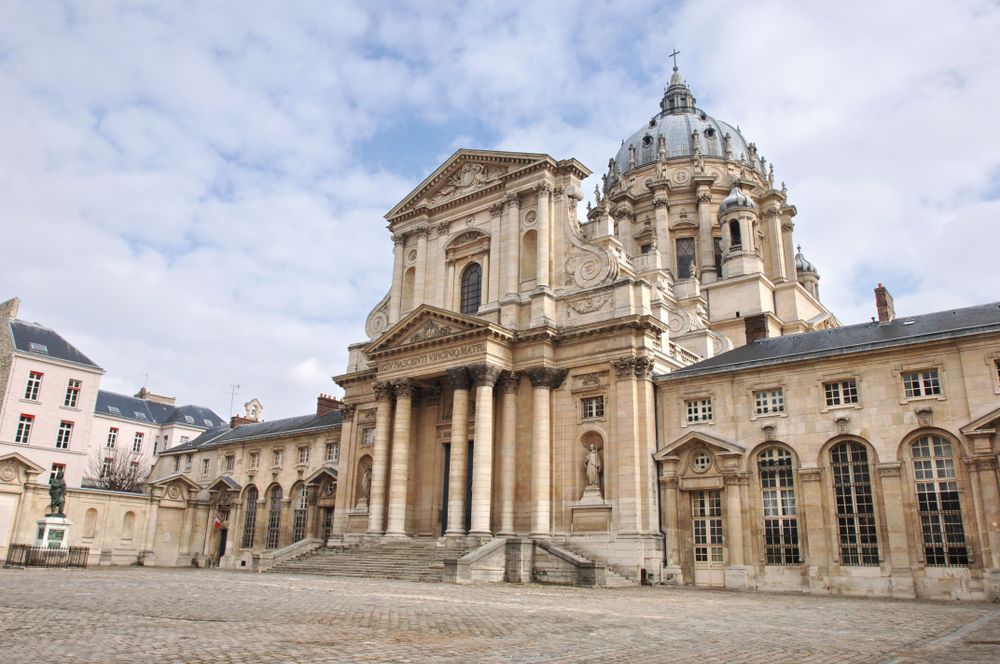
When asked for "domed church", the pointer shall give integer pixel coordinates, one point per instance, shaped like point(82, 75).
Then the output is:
point(645, 390)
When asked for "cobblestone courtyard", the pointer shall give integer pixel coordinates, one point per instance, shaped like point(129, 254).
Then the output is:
point(130, 615)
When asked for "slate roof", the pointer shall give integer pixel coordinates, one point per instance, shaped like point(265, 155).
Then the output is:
point(904, 330)
point(43, 342)
point(142, 410)
point(289, 426)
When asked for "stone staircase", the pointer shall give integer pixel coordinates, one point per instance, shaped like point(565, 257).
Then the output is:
point(613, 578)
point(417, 559)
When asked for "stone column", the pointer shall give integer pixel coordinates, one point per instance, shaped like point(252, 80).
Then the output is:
point(399, 471)
point(706, 246)
point(420, 274)
point(451, 290)
point(544, 190)
point(787, 226)
point(207, 541)
point(543, 381)
point(484, 375)
point(734, 519)
point(380, 458)
point(508, 453)
point(311, 511)
point(810, 509)
point(345, 481)
point(396, 290)
point(778, 272)
point(511, 250)
point(234, 523)
point(457, 464)
point(260, 524)
point(661, 207)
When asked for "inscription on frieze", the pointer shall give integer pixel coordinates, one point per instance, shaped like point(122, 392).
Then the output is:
point(432, 358)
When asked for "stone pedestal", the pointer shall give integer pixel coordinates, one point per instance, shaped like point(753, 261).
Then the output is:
point(592, 496)
point(53, 532)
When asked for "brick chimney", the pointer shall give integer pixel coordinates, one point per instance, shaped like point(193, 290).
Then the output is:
point(755, 327)
point(239, 420)
point(883, 302)
point(325, 403)
point(8, 309)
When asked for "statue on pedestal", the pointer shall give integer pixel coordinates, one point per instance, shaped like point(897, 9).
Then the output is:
point(593, 463)
point(57, 495)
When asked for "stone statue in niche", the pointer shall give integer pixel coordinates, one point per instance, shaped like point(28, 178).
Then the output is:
point(366, 488)
point(593, 463)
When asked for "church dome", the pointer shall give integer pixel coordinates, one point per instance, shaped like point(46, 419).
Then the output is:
point(803, 265)
point(736, 199)
point(675, 126)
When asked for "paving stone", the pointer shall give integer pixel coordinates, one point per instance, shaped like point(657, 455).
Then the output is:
point(136, 614)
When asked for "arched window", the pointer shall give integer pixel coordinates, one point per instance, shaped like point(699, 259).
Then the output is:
point(274, 519)
point(250, 517)
point(781, 524)
point(735, 236)
point(852, 488)
point(938, 502)
point(299, 518)
point(472, 289)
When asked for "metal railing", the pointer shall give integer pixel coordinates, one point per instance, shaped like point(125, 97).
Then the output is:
point(25, 555)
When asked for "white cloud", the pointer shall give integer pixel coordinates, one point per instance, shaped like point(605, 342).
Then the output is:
point(188, 192)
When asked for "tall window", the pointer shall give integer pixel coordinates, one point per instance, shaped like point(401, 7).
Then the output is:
point(852, 487)
point(938, 502)
point(112, 438)
point(72, 393)
point(299, 518)
point(472, 289)
point(735, 236)
point(367, 436)
point(924, 383)
point(250, 518)
point(63, 435)
point(254, 460)
point(274, 519)
point(781, 525)
point(137, 441)
point(230, 462)
point(205, 466)
point(706, 522)
point(34, 384)
point(685, 257)
point(303, 455)
point(333, 451)
point(24, 429)
point(841, 392)
point(717, 248)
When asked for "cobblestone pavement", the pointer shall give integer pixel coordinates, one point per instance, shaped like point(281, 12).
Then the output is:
point(135, 615)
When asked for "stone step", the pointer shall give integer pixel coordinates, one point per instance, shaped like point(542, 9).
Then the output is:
point(416, 560)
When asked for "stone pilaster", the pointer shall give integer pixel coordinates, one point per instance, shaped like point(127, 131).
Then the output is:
point(661, 209)
point(484, 375)
point(457, 468)
point(984, 470)
point(187, 523)
point(346, 481)
point(543, 381)
point(420, 275)
point(399, 471)
point(380, 458)
point(510, 251)
point(149, 542)
point(396, 290)
point(627, 460)
point(810, 510)
point(706, 246)
point(896, 550)
point(734, 519)
point(508, 384)
point(544, 191)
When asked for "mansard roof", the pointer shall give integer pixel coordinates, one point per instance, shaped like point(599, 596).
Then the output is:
point(289, 426)
point(905, 330)
point(125, 407)
point(41, 341)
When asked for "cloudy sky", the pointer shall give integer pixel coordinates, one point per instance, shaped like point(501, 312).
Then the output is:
point(195, 191)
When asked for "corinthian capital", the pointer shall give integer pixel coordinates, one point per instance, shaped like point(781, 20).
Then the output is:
point(624, 366)
point(509, 380)
point(543, 189)
point(549, 377)
point(404, 388)
point(382, 390)
point(484, 374)
point(512, 200)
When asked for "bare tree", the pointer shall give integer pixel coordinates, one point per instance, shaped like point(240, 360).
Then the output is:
point(117, 469)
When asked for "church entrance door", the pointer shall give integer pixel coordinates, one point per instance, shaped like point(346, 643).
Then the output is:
point(706, 526)
point(468, 488)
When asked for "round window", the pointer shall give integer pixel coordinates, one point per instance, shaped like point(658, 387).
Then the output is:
point(701, 462)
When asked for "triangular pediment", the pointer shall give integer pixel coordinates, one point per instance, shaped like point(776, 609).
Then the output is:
point(323, 472)
point(720, 445)
point(179, 478)
point(28, 464)
point(225, 483)
point(985, 425)
point(431, 324)
point(466, 172)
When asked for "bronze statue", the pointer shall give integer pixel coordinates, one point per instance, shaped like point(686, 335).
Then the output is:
point(57, 495)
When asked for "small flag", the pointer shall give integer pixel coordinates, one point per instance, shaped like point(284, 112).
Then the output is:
point(217, 524)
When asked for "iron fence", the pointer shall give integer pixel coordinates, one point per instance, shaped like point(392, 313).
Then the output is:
point(25, 555)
